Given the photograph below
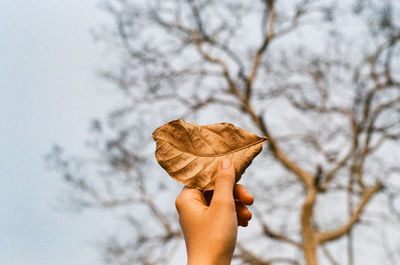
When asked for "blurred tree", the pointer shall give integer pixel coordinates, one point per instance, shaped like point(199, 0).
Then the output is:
point(320, 79)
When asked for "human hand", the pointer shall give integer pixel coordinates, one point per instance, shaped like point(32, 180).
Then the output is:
point(209, 221)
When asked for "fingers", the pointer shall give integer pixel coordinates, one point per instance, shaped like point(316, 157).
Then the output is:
point(188, 198)
point(242, 195)
point(239, 192)
point(243, 198)
point(224, 182)
point(243, 214)
point(225, 190)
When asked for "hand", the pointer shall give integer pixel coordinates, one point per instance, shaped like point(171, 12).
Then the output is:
point(209, 221)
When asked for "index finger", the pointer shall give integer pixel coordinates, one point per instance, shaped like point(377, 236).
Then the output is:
point(189, 197)
point(242, 194)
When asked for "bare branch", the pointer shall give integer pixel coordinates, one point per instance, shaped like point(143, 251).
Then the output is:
point(273, 235)
point(250, 258)
point(337, 233)
point(328, 255)
point(270, 4)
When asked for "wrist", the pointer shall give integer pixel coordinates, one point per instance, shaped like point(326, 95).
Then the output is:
point(203, 260)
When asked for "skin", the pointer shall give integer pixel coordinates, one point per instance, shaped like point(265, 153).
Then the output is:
point(210, 220)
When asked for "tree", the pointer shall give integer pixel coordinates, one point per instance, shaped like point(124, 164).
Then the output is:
point(320, 79)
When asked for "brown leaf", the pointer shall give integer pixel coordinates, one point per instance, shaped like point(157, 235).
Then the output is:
point(191, 153)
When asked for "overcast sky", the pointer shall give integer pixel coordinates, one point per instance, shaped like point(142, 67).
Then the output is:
point(48, 94)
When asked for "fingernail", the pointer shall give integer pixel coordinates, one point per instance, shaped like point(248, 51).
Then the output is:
point(226, 163)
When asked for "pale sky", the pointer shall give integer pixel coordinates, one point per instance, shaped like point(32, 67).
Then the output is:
point(48, 94)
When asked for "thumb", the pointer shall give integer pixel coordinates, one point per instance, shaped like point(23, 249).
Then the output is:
point(224, 182)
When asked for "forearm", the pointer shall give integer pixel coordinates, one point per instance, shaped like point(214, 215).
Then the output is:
point(207, 261)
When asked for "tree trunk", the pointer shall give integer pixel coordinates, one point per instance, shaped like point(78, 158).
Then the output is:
point(310, 241)
point(310, 253)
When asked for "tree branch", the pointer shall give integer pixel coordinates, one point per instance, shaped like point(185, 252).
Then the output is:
point(328, 255)
point(257, 58)
point(337, 233)
point(273, 235)
point(250, 258)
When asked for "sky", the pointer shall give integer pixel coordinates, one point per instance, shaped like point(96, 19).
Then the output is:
point(49, 92)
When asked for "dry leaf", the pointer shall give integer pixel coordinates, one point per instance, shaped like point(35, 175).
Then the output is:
point(191, 153)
